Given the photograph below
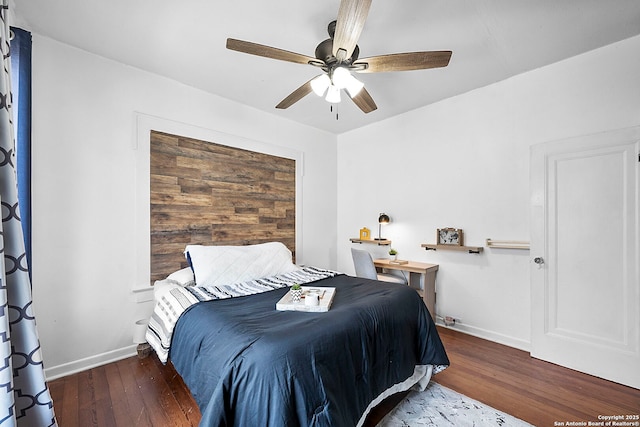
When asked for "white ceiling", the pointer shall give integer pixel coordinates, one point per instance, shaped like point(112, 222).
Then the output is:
point(185, 40)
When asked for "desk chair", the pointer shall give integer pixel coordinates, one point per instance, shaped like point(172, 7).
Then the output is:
point(365, 268)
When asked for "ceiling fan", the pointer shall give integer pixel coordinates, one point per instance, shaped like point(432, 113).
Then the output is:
point(338, 57)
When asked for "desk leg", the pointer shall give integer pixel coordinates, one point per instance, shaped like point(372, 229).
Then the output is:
point(429, 295)
point(426, 283)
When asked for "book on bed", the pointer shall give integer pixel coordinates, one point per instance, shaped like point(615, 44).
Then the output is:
point(325, 298)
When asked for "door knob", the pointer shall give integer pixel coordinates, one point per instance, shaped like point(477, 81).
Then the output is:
point(538, 260)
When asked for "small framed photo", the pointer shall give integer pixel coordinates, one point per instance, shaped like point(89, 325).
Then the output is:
point(365, 234)
point(450, 236)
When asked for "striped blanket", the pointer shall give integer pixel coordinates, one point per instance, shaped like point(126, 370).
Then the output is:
point(173, 303)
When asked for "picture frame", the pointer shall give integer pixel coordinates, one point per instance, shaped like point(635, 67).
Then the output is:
point(450, 236)
point(365, 234)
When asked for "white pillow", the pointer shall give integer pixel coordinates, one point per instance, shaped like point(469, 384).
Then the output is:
point(225, 265)
point(184, 277)
point(161, 287)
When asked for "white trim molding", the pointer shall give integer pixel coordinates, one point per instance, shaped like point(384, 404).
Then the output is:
point(89, 362)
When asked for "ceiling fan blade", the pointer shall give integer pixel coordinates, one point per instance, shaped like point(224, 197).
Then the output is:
point(295, 96)
point(352, 15)
point(404, 61)
point(268, 51)
point(364, 101)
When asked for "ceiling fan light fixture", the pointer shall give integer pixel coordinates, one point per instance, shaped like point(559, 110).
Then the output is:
point(354, 86)
point(340, 77)
point(343, 79)
point(333, 94)
point(320, 84)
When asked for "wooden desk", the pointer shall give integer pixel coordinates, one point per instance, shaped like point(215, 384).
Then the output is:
point(422, 278)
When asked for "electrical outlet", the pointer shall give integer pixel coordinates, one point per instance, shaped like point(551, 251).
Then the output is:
point(450, 320)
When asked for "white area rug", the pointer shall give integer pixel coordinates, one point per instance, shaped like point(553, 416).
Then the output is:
point(439, 406)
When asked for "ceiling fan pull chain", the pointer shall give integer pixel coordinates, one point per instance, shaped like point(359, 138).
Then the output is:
point(331, 109)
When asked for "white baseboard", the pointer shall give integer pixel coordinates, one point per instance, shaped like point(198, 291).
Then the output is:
point(489, 335)
point(89, 362)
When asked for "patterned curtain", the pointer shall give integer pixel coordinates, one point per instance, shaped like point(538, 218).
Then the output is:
point(24, 396)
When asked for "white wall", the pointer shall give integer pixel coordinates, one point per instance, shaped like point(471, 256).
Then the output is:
point(464, 163)
point(84, 198)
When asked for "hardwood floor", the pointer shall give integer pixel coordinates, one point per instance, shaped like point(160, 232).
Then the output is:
point(533, 390)
point(143, 392)
point(130, 392)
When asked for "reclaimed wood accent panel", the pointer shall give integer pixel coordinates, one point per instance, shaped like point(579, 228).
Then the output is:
point(211, 194)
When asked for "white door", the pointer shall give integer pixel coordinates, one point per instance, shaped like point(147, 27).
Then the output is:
point(585, 274)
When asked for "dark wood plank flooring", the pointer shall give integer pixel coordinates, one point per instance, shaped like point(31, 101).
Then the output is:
point(533, 390)
point(143, 392)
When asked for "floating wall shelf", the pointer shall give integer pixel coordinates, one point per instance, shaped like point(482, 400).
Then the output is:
point(384, 242)
point(470, 249)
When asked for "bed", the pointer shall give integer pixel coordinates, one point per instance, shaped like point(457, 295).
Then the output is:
point(247, 363)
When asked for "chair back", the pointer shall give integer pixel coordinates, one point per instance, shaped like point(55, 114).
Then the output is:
point(363, 263)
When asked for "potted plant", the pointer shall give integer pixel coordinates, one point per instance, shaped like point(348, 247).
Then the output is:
point(393, 253)
point(296, 292)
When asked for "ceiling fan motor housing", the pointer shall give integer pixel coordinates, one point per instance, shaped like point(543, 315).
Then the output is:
point(324, 51)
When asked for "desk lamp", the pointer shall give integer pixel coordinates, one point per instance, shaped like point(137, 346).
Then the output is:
point(382, 219)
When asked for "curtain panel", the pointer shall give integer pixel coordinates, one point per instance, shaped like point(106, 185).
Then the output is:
point(21, 105)
point(24, 396)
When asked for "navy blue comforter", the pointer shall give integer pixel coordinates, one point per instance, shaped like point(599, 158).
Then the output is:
point(248, 364)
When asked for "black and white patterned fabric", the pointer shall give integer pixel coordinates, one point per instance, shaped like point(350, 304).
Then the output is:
point(24, 395)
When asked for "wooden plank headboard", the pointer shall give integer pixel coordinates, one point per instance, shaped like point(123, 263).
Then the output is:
point(212, 194)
